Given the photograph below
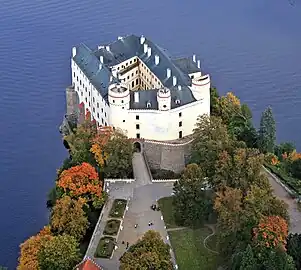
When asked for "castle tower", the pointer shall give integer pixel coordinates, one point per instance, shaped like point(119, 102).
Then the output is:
point(200, 87)
point(164, 99)
point(119, 101)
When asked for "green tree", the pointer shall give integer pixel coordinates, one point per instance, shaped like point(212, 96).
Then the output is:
point(282, 148)
point(150, 252)
point(69, 217)
point(119, 152)
point(244, 260)
point(193, 201)
point(214, 102)
point(294, 248)
point(267, 132)
point(276, 259)
point(294, 167)
point(61, 252)
point(210, 139)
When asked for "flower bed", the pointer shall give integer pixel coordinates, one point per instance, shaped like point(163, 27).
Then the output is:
point(118, 208)
point(105, 247)
point(164, 174)
point(112, 227)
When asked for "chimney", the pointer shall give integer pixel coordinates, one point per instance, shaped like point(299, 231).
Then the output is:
point(145, 48)
point(157, 60)
point(136, 97)
point(114, 73)
point(142, 39)
point(149, 52)
point(199, 63)
point(73, 51)
point(100, 47)
point(194, 58)
point(119, 38)
point(100, 66)
point(101, 59)
point(168, 73)
point(108, 48)
point(179, 87)
point(174, 80)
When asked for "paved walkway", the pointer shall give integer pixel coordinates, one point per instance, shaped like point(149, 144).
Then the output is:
point(141, 195)
point(281, 193)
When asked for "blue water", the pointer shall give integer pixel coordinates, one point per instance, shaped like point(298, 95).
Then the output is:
point(250, 47)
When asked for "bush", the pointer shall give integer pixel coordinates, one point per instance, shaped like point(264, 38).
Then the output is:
point(105, 247)
point(112, 227)
point(164, 174)
point(118, 208)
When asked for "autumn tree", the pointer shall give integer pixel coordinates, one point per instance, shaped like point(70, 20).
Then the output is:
point(214, 102)
point(229, 106)
point(60, 252)
point(240, 169)
point(82, 181)
point(192, 200)
point(150, 252)
point(284, 148)
point(267, 132)
point(271, 233)
point(69, 217)
point(210, 139)
point(30, 249)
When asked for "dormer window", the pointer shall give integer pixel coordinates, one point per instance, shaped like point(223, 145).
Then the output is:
point(148, 105)
point(178, 101)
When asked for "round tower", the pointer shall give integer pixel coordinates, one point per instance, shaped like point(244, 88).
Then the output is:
point(200, 87)
point(164, 99)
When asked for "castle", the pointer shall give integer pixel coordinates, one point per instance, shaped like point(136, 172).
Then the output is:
point(134, 85)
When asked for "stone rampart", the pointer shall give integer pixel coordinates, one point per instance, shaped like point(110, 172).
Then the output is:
point(167, 156)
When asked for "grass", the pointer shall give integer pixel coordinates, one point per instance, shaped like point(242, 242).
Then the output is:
point(167, 211)
point(118, 208)
point(112, 227)
point(105, 247)
point(190, 251)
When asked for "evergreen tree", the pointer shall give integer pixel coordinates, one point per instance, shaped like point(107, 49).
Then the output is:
point(267, 131)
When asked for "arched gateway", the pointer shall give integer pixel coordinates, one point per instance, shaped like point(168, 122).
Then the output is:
point(137, 147)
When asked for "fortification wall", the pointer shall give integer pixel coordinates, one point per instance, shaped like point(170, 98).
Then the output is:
point(167, 156)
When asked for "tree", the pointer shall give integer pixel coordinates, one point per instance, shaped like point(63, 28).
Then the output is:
point(267, 132)
point(81, 181)
point(239, 170)
point(69, 217)
point(61, 252)
point(284, 148)
point(210, 139)
point(294, 168)
point(244, 260)
point(214, 102)
point(119, 150)
point(150, 252)
point(229, 107)
point(271, 233)
point(80, 142)
point(294, 248)
point(192, 200)
point(276, 259)
point(31, 247)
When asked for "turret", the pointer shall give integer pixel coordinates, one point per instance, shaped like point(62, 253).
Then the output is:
point(164, 99)
point(119, 96)
point(200, 87)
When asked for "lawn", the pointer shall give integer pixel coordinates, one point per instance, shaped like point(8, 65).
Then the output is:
point(118, 208)
point(112, 227)
point(189, 249)
point(167, 212)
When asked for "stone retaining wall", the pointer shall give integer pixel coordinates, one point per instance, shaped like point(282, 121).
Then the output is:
point(167, 156)
point(112, 180)
point(164, 180)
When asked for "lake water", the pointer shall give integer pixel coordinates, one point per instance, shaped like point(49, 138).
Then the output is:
point(250, 47)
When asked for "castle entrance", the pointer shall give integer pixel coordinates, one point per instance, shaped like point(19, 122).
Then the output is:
point(137, 147)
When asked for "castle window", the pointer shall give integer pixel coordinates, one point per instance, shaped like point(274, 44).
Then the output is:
point(74, 74)
point(131, 62)
point(102, 110)
point(105, 114)
point(102, 120)
point(138, 135)
point(80, 82)
point(128, 77)
point(164, 106)
point(93, 109)
point(122, 107)
point(97, 105)
point(180, 134)
point(89, 93)
point(137, 126)
point(133, 84)
point(86, 89)
point(121, 101)
point(127, 64)
point(77, 78)
point(97, 115)
point(123, 121)
point(93, 99)
point(77, 88)
point(137, 117)
point(192, 76)
point(105, 123)
point(180, 114)
point(89, 104)
point(113, 100)
point(86, 99)
point(81, 93)
point(137, 81)
point(180, 123)
point(132, 74)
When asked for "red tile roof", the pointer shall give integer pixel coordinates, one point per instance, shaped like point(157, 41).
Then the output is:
point(88, 264)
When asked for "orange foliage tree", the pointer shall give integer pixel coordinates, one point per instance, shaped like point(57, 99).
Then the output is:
point(294, 156)
point(30, 248)
point(271, 232)
point(81, 181)
point(98, 143)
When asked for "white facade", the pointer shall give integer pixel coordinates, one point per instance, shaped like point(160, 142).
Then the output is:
point(165, 122)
